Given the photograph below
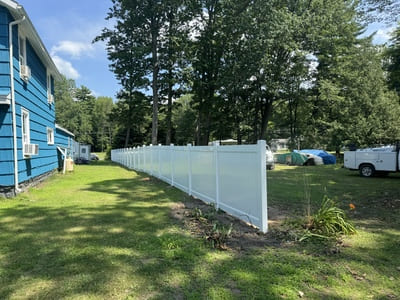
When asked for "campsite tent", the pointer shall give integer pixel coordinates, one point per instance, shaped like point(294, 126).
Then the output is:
point(328, 159)
point(293, 158)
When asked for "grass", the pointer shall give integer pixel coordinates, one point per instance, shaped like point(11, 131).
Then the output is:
point(105, 232)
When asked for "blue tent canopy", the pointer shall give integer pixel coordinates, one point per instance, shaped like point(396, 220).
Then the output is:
point(327, 158)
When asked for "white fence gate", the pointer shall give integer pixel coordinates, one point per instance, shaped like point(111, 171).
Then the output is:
point(233, 178)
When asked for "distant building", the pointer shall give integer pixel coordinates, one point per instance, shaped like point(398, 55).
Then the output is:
point(31, 144)
point(279, 144)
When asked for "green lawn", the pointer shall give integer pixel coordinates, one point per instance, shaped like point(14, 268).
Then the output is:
point(104, 232)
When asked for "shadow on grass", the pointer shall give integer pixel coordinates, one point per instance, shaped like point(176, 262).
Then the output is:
point(131, 247)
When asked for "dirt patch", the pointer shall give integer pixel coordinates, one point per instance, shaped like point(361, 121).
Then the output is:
point(199, 218)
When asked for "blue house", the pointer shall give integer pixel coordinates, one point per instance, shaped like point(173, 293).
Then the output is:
point(31, 144)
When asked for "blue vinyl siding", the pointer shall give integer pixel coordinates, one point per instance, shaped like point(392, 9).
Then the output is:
point(6, 145)
point(32, 96)
point(63, 139)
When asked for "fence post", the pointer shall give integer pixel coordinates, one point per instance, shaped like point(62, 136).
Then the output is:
point(189, 148)
point(263, 185)
point(144, 158)
point(159, 160)
point(171, 156)
point(216, 146)
point(132, 158)
point(129, 158)
point(151, 159)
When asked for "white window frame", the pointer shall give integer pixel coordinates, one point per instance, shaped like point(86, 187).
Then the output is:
point(22, 46)
point(25, 127)
point(23, 60)
point(49, 89)
point(50, 136)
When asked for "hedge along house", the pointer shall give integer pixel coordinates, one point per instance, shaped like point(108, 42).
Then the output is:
point(28, 133)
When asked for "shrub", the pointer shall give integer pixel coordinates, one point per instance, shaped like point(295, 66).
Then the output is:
point(218, 235)
point(108, 153)
point(328, 221)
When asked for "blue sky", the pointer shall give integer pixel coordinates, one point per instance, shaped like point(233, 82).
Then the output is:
point(68, 27)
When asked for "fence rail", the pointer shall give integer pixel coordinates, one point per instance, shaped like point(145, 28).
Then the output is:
point(233, 178)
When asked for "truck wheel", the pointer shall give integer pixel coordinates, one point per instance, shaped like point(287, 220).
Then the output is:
point(367, 170)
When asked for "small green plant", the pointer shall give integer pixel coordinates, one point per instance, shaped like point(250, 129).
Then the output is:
point(108, 153)
point(218, 235)
point(329, 221)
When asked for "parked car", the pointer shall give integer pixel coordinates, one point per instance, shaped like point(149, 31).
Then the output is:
point(269, 158)
point(93, 156)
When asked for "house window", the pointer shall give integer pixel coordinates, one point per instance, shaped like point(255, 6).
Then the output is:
point(24, 70)
point(26, 139)
point(22, 50)
point(50, 136)
point(50, 96)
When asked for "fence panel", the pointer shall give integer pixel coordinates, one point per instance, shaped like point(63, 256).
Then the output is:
point(203, 173)
point(231, 177)
point(180, 166)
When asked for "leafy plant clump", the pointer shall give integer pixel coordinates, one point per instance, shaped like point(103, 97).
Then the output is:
point(219, 235)
point(329, 221)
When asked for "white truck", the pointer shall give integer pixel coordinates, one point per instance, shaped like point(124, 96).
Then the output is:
point(373, 161)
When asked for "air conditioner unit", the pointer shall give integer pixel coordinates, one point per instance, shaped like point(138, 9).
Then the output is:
point(31, 149)
point(5, 99)
point(50, 98)
point(25, 72)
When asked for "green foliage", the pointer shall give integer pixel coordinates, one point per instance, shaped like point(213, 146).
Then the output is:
point(392, 55)
point(218, 235)
point(183, 118)
point(81, 113)
point(328, 221)
point(249, 70)
point(108, 153)
point(104, 232)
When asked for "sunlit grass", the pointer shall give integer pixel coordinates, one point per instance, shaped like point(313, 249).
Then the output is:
point(103, 232)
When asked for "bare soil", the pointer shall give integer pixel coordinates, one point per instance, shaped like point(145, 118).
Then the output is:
point(199, 218)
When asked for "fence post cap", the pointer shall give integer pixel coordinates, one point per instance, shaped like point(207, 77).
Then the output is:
point(261, 142)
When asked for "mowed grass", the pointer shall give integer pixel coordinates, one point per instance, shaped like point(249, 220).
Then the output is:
point(105, 232)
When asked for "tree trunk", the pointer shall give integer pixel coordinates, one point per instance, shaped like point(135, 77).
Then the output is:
point(266, 112)
point(198, 128)
point(169, 110)
point(154, 44)
point(127, 137)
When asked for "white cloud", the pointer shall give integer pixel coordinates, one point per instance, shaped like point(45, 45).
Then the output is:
point(73, 49)
point(383, 35)
point(66, 68)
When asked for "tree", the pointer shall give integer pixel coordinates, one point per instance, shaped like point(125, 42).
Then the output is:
point(130, 115)
point(85, 107)
point(353, 105)
point(183, 116)
point(392, 55)
point(173, 43)
point(134, 46)
point(102, 124)
point(66, 107)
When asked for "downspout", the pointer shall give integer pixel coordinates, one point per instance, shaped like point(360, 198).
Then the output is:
point(14, 118)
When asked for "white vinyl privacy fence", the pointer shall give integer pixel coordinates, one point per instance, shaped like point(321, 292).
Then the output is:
point(233, 178)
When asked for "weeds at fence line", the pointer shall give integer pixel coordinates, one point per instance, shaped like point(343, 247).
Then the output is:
point(218, 235)
point(215, 233)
